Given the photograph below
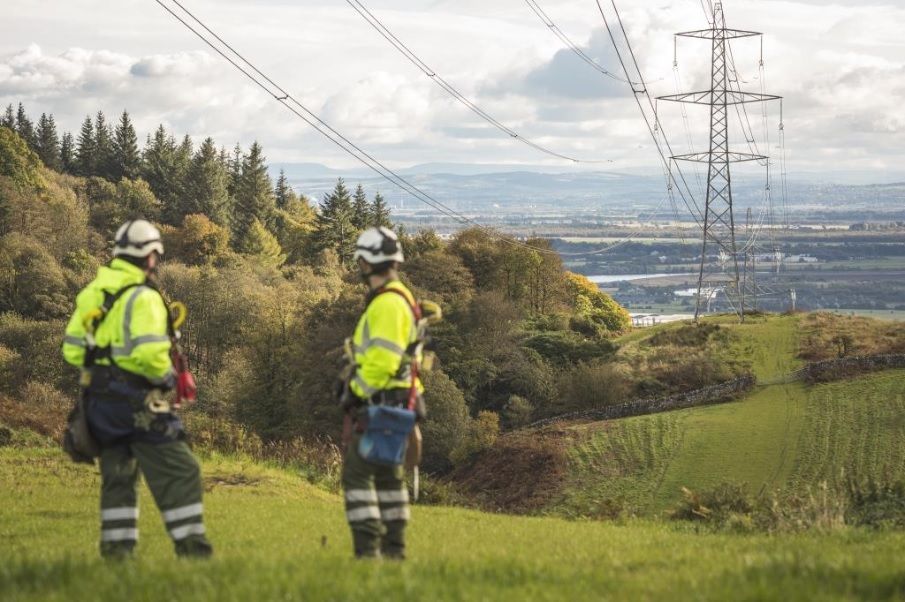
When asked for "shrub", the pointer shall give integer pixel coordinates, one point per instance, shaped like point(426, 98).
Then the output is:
point(482, 434)
point(877, 503)
point(567, 347)
point(447, 423)
point(718, 506)
point(596, 306)
point(37, 344)
point(690, 370)
point(442, 276)
point(113, 204)
point(9, 362)
point(436, 492)
point(520, 372)
point(689, 335)
point(31, 281)
point(37, 406)
point(517, 412)
point(821, 510)
point(17, 161)
point(198, 242)
point(319, 461)
point(593, 384)
point(729, 507)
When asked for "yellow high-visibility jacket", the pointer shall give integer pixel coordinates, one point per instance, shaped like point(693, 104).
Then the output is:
point(384, 333)
point(135, 329)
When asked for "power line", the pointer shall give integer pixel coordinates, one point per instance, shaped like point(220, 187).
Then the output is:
point(382, 29)
point(691, 204)
point(545, 18)
point(322, 127)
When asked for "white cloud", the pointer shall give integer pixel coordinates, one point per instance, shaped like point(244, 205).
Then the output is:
point(840, 66)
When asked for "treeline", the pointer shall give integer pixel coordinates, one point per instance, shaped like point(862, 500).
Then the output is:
point(272, 295)
point(231, 189)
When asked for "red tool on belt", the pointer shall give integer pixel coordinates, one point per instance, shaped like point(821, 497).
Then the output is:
point(186, 391)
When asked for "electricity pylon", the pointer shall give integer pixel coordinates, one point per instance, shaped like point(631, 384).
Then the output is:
point(719, 232)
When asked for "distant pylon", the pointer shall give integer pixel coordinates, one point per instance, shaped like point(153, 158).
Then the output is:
point(719, 232)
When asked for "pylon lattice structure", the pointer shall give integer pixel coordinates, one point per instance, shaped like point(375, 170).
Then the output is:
point(719, 228)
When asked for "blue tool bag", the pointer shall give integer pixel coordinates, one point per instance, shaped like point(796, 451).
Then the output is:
point(385, 436)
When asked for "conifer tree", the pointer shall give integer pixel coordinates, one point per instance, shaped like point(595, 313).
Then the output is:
point(205, 189)
point(9, 118)
point(48, 142)
point(85, 150)
point(183, 158)
point(185, 151)
point(263, 245)
point(380, 213)
point(361, 209)
point(254, 194)
point(126, 158)
point(283, 193)
point(335, 228)
point(234, 169)
point(159, 170)
point(103, 148)
point(67, 154)
point(224, 159)
point(25, 128)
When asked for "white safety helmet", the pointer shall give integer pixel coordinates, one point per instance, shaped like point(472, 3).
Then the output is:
point(137, 238)
point(378, 245)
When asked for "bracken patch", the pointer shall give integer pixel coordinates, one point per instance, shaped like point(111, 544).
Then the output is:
point(523, 473)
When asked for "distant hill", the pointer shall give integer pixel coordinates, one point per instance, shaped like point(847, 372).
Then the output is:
point(485, 187)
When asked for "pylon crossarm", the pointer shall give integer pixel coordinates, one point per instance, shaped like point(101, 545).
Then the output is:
point(730, 157)
point(725, 34)
point(720, 96)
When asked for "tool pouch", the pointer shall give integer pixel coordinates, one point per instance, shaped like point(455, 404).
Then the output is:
point(78, 443)
point(413, 449)
point(386, 434)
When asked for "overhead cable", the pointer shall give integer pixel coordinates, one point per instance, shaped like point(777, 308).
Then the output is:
point(545, 18)
point(378, 26)
point(279, 94)
point(686, 194)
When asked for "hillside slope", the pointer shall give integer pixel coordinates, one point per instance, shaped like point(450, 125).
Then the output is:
point(279, 538)
point(783, 436)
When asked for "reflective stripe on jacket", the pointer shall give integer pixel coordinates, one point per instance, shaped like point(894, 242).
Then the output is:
point(384, 333)
point(135, 329)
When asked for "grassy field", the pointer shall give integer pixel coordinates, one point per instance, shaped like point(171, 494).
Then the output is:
point(279, 538)
point(784, 435)
point(780, 437)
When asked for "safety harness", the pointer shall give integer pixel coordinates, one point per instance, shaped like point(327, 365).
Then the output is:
point(91, 323)
point(186, 390)
point(414, 348)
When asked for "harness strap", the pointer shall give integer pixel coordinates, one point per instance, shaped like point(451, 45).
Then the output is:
point(412, 348)
point(93, 352)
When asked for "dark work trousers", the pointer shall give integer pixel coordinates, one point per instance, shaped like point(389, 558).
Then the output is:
point(377, 505)
point(134, 440)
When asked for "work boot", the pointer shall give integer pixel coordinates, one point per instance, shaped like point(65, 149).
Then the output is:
point(366, 544)
point(194, 546)
point(392, 544)
point(117, 550)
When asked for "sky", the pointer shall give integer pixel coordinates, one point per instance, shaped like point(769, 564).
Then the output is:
point(839, 66)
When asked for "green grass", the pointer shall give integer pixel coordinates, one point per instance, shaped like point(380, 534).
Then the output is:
point(853, 429)
point(278, 538)
point(785, 437)
point(770, 344)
